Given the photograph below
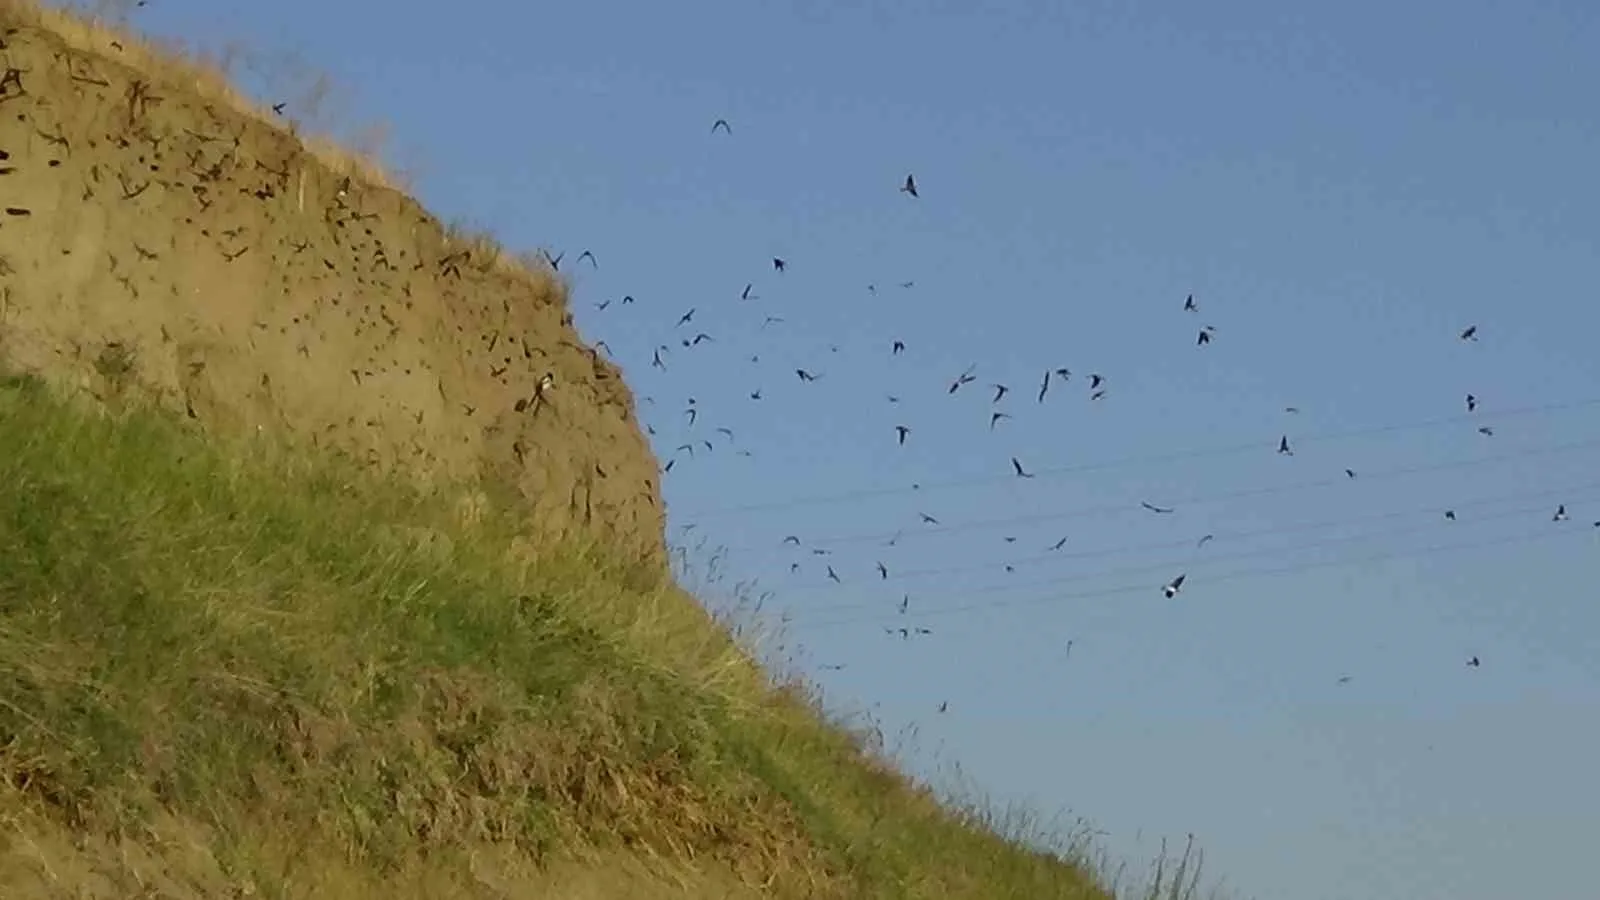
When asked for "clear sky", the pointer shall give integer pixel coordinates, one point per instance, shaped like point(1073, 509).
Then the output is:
point(1343, 187)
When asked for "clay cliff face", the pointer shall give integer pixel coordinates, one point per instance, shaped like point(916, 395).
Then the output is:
point(158, 233)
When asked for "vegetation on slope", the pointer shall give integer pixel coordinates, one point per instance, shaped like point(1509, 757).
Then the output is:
point(246, 669)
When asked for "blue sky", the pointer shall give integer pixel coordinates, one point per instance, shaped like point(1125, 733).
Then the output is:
point(1343, 187)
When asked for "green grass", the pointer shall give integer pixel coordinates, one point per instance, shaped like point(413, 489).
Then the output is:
point(327, 679)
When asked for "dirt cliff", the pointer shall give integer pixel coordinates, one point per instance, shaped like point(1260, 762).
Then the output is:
point(159, 232)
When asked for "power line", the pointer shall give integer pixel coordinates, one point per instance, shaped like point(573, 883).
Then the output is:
point(1171, 567)
point(1250, 447)
point(1198, 499)
point(1214, 579)
point(1567, 493)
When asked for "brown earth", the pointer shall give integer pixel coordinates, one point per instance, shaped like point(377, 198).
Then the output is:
point(161, 234)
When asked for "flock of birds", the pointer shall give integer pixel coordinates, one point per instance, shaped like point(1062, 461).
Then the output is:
point(688, 336)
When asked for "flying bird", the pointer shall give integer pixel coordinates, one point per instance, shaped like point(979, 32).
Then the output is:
point(927, 519)
point(1173, 587)
point(1044, 385)
point(999, 391)
point(1155, 509)
point(964, 378)
point(1470, 334)
point(1017, 465)
point(686, 318)
point(897, 348)
point(903, 431)
point(1059, 544)
point(883, 571)
point(834, 575)
point(590, 257)
point(1472, 403)
point(1189, 306)
point(1486, 431)
point(806, 376)
point(779, 264)
point(996, 417)
point(723, 124)
point(1283, 446)
point(1350, 473)
point(1205, 540)
point(1561, 514)
point(1205, 336)
point(910, 187)
point(745, 294)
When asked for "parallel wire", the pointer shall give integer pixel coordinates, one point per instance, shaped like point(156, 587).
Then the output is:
point(1252, 446)
point(1195, 499)
point(1167, 569)
point(1225, 577)
point(1064, 556)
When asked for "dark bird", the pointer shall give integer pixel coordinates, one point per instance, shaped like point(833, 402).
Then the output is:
point(1044, 385)
point(1344, 679)
point(1472, 403)
point(927, 519)
point(626, 299)
point(1095, 381)
point(910, 187)
point(1205, 540)
point(702, 336)
point(834, 575)
point(1283, 446)
point(1189, 306)
point(1486, 431)
point(792, 539)
point(278, 108)
point(999, 391)
point(1017, 465)
point(726, 431)
point(1205, 336)
point(1474, 662)
point(656, 361)
point(1450, 514)
point(883, 571)
point(1561, 514)
point(688, 447)
point(944, 706)
point(745, 294)
point(755, 394)
point(590, 256)
point(897, 348)
point(1155, 509)
point(904, 602)
point(1173, 587)
point(771, 320)
point(806, 376)
point(723, 124)
point(1471, 334)
point(692, 413)
point(779, 264)
point(996, 417)
point(902, 431)
point(1350, 473)
point(1059, 544)
point(964, 378)
point(686, 318)
point(1097, 395)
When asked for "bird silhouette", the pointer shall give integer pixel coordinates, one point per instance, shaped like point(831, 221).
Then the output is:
point(910, 187)
point(723, 124)
point(779, 264)
point(1173, 587)
point(902, 431)
point(1017, 465)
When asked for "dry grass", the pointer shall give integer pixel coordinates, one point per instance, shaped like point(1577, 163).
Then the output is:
point(317, 677)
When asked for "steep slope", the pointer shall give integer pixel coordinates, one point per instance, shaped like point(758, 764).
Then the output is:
point(222, 676)
point(156, 232)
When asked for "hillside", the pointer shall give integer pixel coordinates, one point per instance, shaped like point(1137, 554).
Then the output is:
point(157, 225)
point(296, 602)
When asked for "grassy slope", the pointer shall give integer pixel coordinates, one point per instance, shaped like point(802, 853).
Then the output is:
point(237, 668)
